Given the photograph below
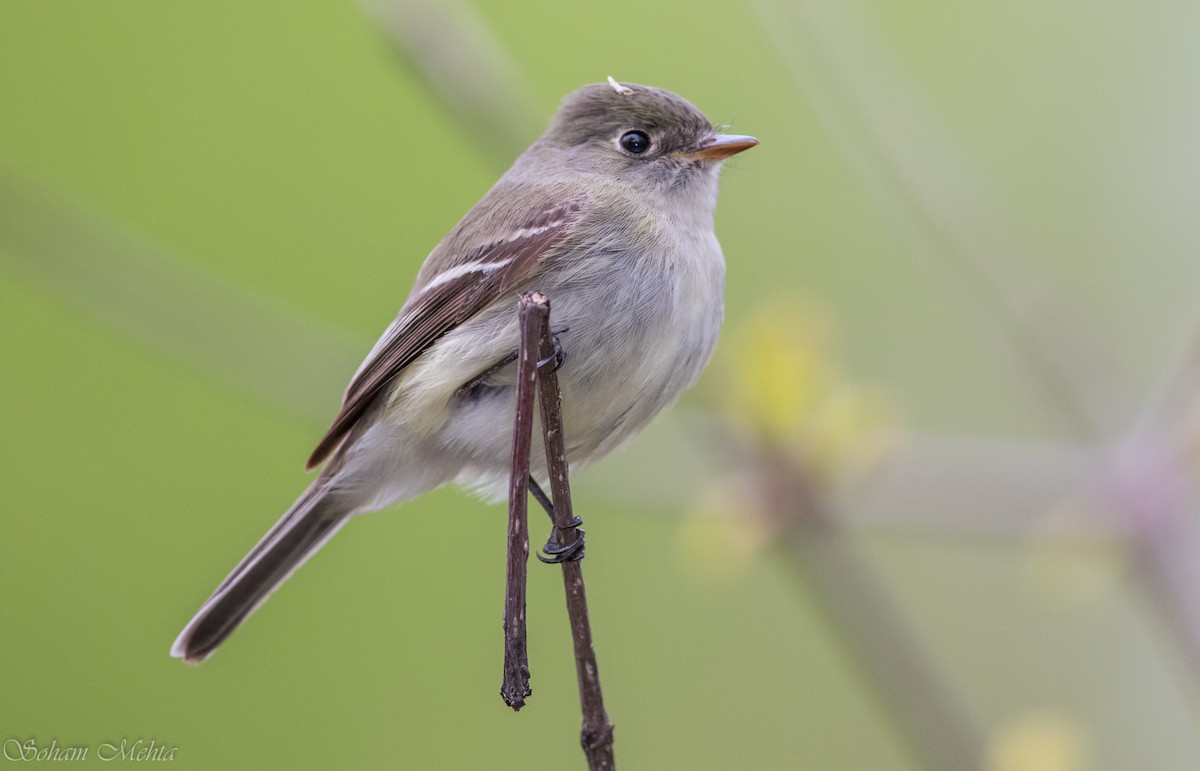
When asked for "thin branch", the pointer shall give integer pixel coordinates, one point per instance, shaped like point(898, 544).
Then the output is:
point(514, 688)
point(596, 734)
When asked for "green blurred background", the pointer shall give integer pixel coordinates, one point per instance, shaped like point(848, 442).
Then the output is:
point(208, 212)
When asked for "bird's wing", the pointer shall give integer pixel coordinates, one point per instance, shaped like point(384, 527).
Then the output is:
point(470, 282)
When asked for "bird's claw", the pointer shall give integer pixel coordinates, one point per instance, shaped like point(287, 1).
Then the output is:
point(556, 554)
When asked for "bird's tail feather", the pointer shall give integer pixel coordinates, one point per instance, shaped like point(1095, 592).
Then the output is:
point(308, 524)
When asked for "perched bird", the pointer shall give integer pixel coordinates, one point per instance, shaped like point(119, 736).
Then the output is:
point(610, 214)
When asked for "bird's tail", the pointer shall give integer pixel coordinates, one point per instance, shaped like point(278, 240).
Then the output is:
point(308, 524)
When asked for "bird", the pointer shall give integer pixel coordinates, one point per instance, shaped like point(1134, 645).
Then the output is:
point(610, 214)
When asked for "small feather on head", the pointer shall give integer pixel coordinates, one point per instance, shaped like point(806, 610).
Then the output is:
point(622, 90)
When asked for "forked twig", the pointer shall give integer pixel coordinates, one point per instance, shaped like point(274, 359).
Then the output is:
point(596, 734)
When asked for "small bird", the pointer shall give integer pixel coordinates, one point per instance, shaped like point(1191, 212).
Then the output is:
point(610, 214)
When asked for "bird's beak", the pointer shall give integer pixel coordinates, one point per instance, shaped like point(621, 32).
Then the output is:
point(721, 146)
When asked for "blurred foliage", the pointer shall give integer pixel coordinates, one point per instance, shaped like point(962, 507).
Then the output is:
point(781, 391)
point(1039, 741)
point(980, 194)
point(785, 387)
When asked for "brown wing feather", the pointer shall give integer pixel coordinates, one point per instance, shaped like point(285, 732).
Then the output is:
point(442, 306)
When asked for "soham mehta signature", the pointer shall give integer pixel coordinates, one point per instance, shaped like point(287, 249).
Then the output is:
point(132, 750)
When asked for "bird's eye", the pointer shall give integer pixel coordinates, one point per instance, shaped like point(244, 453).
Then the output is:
point(635, 142)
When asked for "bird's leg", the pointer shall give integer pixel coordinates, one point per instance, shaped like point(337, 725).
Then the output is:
point(556, 554)
point(555, 361)
point(472, 386)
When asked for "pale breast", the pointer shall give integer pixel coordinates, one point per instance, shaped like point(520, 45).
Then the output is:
point(642, 314)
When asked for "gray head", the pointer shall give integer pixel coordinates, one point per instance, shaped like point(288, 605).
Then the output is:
point(640, 130)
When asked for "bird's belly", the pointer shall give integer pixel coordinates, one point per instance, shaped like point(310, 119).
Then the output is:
point(612, 395)
point(633, 343)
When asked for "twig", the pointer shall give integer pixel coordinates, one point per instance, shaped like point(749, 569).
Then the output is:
point(596, 734)
point(515, 686)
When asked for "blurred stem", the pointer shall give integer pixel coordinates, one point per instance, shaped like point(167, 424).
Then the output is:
point(246, 340)
point(467, 69)
point(876, 117)
point(907, 161)
point(919, 698)
point(1144, 481)
point(1176, 396)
